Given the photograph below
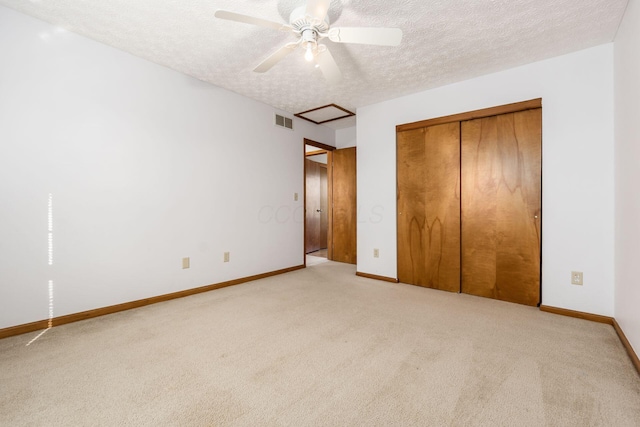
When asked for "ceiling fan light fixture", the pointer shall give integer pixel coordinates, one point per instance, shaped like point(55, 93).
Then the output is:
point(309, 39)
point(309, 55)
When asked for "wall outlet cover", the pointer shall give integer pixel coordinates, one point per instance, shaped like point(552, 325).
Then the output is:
point(576, 277)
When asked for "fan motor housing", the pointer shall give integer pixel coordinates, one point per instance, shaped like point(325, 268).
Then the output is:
point(300, 21)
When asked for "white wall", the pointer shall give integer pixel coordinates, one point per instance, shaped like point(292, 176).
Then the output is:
point(318, 158)
point(578, 214)
point(346, 137)
point(627, 167)
point(145, 166)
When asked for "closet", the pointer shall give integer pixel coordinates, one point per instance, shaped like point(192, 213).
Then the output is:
point(469, 202)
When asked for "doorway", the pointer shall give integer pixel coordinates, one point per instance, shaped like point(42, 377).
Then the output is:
point(330, 221)
point(317, 202)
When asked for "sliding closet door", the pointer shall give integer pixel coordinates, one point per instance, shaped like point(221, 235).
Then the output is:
point(428, 168)
point(501, 206)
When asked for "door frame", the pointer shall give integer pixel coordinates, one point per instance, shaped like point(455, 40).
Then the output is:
point(322, 148)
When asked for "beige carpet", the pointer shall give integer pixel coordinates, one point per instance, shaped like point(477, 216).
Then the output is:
point(321, 347)
point(312, 260)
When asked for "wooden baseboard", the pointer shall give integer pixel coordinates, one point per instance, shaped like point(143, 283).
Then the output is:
point(578, 314)
point(373, 276)
point(75, 317)
point(23, 329)
point(627, 345)
point(601, 319)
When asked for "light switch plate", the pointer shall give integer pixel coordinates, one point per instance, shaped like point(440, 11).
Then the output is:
point(185, 263)
point(226, 257)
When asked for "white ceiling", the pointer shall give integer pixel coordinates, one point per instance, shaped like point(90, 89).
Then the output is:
point(444, 41)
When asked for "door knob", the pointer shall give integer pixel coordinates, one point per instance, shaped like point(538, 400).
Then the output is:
point(318, 210)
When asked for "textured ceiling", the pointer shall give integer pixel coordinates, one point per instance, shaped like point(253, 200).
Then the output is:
point(444, 41)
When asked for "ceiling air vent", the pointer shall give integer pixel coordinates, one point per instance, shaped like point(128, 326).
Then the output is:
point(284, 122)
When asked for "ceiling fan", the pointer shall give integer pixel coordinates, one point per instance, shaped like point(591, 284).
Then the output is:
point(310, 24)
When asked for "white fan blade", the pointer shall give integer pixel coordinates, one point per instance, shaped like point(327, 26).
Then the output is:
point(275, 57)
point(329, 67)
point(317, 9)
point(246, 19)
point(376, 36)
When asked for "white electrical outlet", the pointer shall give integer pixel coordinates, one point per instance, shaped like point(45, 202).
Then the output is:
point(376, 253)
point(576, 277)
point(185, 263)
point(226, 257)
point(295, 197)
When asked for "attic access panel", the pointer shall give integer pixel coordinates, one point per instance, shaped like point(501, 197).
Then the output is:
point(324, 114)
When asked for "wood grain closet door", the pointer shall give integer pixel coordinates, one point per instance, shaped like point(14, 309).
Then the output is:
point(324, 207)
point(428, 174)
point(312, 205)
point(501, 206)
point(344, 205)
